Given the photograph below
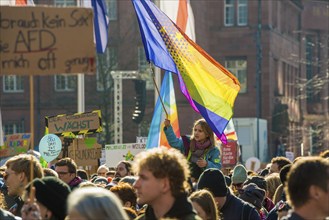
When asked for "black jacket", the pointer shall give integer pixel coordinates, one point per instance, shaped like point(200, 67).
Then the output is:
point(292, 216)
point(235, 208)
point(182, 209)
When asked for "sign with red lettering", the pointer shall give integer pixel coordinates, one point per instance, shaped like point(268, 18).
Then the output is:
point(229, 154)
point(46, 40)
point(15, 144)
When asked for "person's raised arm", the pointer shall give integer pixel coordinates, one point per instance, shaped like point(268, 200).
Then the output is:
point(173, 140)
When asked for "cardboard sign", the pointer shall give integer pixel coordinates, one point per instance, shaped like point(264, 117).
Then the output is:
point(81, 123)
point(15, 144)
point(46, 40)
point(253, 163)
point(85, 152)
point(117, 152)
point(229, 154)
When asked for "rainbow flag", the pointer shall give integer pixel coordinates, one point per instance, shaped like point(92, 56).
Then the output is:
point(230, 131)
point(210, 88)
point(24, 2)
point(181, 12)
point(156, 136)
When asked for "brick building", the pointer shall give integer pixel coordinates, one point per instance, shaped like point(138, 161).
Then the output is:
point(278, 49)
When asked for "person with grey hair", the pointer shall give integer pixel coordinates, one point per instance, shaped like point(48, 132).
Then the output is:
point(91, 203)
point(102, 170)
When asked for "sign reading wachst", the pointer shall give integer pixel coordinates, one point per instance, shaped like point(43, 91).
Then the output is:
point(78, 123)
point(46, 40)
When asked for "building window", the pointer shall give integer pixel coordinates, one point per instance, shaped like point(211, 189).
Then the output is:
point(107, 63)
point(13, 83)
point(242, 12)
point(112, 9)
point(65, 83)
point(14, 128)
point(64, 3)
point(236, 13)
point(229, 12)
point(238, 67)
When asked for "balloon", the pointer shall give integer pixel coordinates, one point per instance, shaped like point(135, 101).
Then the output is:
point(50, 147)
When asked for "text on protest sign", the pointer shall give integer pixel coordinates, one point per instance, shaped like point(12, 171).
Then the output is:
point(229, 154)
point(15, 144)
point(79, 123)
point(46, 40)
point(116, 152)
point(85, 152)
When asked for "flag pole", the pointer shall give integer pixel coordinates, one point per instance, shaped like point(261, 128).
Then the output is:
point(157, 71)
point(32, 111)
point(81, 82)
point(31, 196)
point(157, 89)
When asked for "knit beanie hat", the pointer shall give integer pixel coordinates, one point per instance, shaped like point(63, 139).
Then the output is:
point(253, 194)
point(239, 174)
point(213, 180)
point(101, 180)
point(52, 193)
point(258, 180)
point(128, 179)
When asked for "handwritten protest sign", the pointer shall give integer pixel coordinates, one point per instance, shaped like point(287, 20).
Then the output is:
point(49, 147)
point(46, 40)
point(253, 163)
point(15, 144)
point(85, 151)
point(229, 154)
point(117, 152)
point(80, 123)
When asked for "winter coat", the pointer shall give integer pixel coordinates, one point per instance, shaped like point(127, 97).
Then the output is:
point(182, 209)
point(237, 209)
point(211, 154)
point(292, 216)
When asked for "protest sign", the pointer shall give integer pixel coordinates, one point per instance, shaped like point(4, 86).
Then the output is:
point(15, 144)
point(253, 163)
point(80, 123)
point(117, 152)
point(50, 146)
point(84, 151)
point(46, 40)
point(229, 154)
point(290, 155)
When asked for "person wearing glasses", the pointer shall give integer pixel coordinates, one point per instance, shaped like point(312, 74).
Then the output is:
point(17, 175)
point(66, 169)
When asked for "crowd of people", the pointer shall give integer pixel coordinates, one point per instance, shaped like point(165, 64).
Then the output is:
point(183, 182)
